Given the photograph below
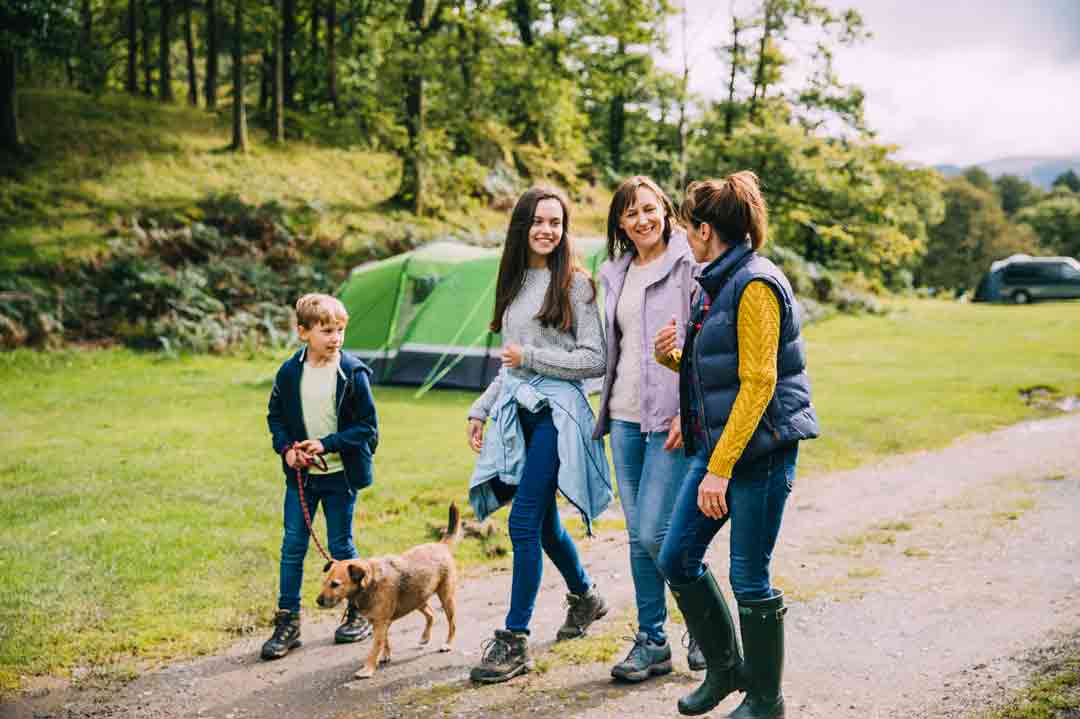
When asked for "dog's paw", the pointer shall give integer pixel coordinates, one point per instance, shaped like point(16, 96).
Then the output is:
point(364, 672)
point(446, 648)
point(424, 641)
point(384, 659)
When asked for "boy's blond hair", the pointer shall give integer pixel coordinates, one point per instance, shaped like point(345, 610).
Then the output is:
point(316, 308)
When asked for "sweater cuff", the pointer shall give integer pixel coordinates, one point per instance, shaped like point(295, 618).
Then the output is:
point(721, 466)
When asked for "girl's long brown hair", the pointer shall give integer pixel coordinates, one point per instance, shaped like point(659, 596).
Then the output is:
point(733, 206)
point(557, 310)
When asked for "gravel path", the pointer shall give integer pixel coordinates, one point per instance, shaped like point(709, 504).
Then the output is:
point(920, 586)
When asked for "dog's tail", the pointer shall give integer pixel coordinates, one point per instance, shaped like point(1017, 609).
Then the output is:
point(453, 529)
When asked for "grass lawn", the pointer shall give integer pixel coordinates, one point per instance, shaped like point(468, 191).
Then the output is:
point(140, 503)
point(117, 155)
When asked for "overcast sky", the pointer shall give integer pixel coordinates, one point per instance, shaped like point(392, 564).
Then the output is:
point(950, 81)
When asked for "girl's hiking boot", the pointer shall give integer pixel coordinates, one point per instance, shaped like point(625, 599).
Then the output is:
point(646, 659)
point(354, 629)
point(502, 658)
point(286, 635)
point(581, 612)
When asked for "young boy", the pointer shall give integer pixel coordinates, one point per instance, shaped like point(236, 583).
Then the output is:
point(321, 400)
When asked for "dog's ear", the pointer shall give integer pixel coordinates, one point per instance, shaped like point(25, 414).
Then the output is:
point(357, 573)
point(370, 577)
point(326, 567)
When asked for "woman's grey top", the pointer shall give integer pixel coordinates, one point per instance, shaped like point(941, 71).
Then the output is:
point(575, 355)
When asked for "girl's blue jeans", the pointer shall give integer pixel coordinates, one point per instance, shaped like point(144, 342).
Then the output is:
point(535, 528)
point(755, 498)
point(649, 478)
point(331, 491)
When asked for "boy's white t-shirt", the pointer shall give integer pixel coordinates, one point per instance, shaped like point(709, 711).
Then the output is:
point(318, 401)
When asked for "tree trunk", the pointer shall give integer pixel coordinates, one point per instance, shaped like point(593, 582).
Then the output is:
point(239, 140)
point(165, 91)
point(411, 193)
point(86, 50)
point(331, 55)
point(729, 111)
point(147, 63)
point(617, 121)
point(266, 79)
point(313, 29)
point(9, 106)
point(132, 82)
point(522, 16)
point(759, 75)
point(277, 132)
point(212, 51)
point(189, 42)
point(288, 39)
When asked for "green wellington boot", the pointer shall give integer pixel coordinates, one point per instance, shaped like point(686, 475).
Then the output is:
point(709, 621)
point(761, 624)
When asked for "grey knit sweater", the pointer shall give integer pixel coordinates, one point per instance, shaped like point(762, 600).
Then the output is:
point(579, 354)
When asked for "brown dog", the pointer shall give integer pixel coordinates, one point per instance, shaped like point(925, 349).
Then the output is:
point(384, 589)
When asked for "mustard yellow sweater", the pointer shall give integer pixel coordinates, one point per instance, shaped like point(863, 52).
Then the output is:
point(759, 339)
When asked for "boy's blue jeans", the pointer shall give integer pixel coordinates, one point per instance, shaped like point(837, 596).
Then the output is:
point(755, 498)
point(331, 491)
point(649, 478)
point(535, 527)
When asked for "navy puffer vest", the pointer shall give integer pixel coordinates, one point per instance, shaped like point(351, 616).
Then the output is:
point(709, 373)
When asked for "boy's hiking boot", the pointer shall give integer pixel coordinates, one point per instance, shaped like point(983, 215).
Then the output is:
point(286, 635)
point(646, 659)
point(354, 629)
point(502, 658)
point(694, 657)
point(581, 612)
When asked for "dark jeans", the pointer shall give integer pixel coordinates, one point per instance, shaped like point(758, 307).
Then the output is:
point(755, 498)
point(535, 528)
point(332, 492)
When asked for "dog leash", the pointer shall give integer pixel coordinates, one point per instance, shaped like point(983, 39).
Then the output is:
point(320, 463)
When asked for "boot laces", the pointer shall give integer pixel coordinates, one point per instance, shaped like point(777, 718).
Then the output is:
point(637, 649)
point(494, 651)
point(281, 626)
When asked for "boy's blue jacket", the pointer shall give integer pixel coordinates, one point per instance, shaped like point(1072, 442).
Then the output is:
point(358, 426)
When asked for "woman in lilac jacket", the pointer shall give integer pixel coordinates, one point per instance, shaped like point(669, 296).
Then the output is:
point(646, 280)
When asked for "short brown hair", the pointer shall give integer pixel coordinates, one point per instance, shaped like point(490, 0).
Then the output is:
point(623, 199)
point(734, 207)
point(316, 308)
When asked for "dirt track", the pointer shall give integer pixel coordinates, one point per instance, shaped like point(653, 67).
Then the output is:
point(917, 587)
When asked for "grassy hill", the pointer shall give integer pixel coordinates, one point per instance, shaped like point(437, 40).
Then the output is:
point(98, 160)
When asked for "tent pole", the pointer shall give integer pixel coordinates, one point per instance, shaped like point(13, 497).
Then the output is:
point(392, 330)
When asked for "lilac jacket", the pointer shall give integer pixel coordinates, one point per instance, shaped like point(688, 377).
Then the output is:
point(666, 295)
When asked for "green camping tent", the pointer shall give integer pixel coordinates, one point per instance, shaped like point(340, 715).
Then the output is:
point(421, 318)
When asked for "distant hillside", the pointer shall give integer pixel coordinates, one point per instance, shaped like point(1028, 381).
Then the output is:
point(1041, 171)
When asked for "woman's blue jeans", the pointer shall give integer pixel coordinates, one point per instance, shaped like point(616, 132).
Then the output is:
point(755, 498)
point(535, 528)
point(649, 478)
point(338, 502)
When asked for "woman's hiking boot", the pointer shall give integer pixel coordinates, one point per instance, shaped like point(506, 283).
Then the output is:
point(709, 621)
point(354, 629)
point(502, 658)
point(646, 659)
point(581, 611)
point(694, 658)
point(761, 624)
point(286, 635)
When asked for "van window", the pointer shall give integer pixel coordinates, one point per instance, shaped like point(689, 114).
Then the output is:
point(1032, 273)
